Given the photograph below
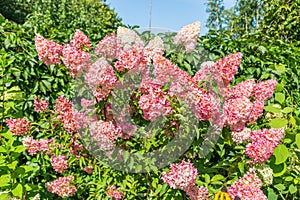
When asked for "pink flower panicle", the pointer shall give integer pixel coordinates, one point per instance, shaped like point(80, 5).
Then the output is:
point(105, 80)
point(242, 136)
point(243, 89)
point(34, 146)
point(207, 68)
point(264, 90)
point(181, 176)
point(188, 36)
point(128, 38)
point(197, 193)
point(154, 47)
point(74, 60)
point(114, 193)
point(59, 163)
point(257, 110)
point(49, 52)
point(237, 113)
point(153, 102)
point(18, 126)
point(263, 143)
point(108, 47)
point(72, 120)
point(130, 59)
point(228, 66)
point(40, 105)
point(248, 187)
point(104, 133)
point(80, 40)
point(62, 186)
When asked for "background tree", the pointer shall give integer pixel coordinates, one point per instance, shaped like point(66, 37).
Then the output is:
point(215, 8)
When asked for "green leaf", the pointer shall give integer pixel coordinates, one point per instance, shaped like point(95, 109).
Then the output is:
point(18, 190)
point(292, 189)
point(280, 68)
point(279, 170)
point(280, 97)
point(217, 178)
point(207, 178)
point(4, 180)
point(288, 110)
point(20, 149)
point(278, 123)
point(279, 187)
point(281, 153)
point(297, 140)
point(4, 196)
point(272, 109)
point(241, 166)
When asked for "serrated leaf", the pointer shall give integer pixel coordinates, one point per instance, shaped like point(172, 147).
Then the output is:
point(278, 123)
point(281, 153)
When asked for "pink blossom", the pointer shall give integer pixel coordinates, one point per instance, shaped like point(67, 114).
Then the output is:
point(242, 136)
point(243, 89)
point(62, 186)
point(18, 126)
point(154, 47)
point(74, 60)
point(166, 72)
point(204, 104)
point(263, 143)
point(188, 36)
point(59, 163)
point(114, 193)
point(89, 169)
point(237, 112)
point(80, 40)
point(86, 103)
point(40, 105)
point(153, 102)
point(104, 133)
point(100, 73)
point(181, 176)
point(72, 120)
point(108, 47)
point(264, 90)
point(80, 120)
point(197, 193)
point(248, 187)
point(257, 109)
point(128, 38)
point(207, 68)
point(34, 146)
point(130, 59)
point(49, 52)
point(228, 66)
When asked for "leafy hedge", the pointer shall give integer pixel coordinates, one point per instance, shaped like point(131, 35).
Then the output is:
point(264, 59)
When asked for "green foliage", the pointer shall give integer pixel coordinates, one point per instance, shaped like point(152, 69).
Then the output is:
point(59, 18)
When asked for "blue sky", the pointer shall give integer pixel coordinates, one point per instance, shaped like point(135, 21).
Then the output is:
point(169, 14)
